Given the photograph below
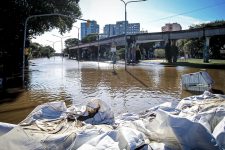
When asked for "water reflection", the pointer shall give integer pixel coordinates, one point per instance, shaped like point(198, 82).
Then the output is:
point(134, 90)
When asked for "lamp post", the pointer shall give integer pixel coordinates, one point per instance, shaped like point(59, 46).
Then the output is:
point(125, 5)
point(78, 34)
point(25, 32)
point(53, 45)
point(99, 44)
point(61, 37)
point(98, 48)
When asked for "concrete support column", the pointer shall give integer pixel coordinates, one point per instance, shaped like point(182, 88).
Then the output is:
point(206, 50)
point(133, 52)
point(168, 54)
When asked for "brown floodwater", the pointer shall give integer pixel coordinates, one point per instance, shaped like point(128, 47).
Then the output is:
point(140, 87)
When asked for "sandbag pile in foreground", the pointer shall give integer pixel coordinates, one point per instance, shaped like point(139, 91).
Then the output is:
point(197, 122)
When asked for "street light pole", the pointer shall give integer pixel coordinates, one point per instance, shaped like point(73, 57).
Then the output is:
point(78, 31)
point(25, 33)
point(61, 37)
point(98, 49)
point(53, 45)
point(126, 45)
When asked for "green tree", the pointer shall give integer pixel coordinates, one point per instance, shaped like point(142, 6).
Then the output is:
point(146, 48)
point(37, 50)
point(46, 51)
point(217, 23)
point(16, 12)
point(180, 45)
point(194, 47)
point(159, 53)
point(168, 53)
point(216, 42)
point(71, 43)
point(90, 38)
point(121, 53)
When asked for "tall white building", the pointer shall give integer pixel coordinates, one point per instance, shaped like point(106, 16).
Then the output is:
point(171, 27)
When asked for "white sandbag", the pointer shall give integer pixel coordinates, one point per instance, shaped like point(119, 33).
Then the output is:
point(104, 113)
point(127, 117)
point(209, 119)
point(154, 127)
point(101, 142)
point(191, 135)
point(53, 126)
point(19, 140)
point(74, 112)
point(129, 138)
point(153, 124)
point(47, 111)
point(174, 131)
point(159, 130)
point(84, 136)
point(6, 127)
point(219, 133)
point(158, 146)
point(208, 110)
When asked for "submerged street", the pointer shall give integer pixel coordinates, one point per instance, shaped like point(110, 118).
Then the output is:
point(140, 87)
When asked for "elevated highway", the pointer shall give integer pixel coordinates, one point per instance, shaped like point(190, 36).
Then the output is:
point(158, 36)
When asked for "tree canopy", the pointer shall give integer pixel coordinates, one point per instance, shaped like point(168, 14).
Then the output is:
point(70, 43)
point(37, 50)
point(17, 11)
point(194, 47)
point(13, 14)
point(217, 23)
point(90, 38)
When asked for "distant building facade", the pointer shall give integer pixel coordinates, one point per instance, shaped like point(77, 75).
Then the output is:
point(93, 27)
point(119, 28)
point(133, 28)
point(171, 27)
point(110, 30)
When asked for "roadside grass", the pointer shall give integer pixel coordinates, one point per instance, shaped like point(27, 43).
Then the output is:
point(213, 63)
point(200, 61)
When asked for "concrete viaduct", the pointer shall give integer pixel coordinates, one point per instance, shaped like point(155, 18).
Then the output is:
point(206, 32)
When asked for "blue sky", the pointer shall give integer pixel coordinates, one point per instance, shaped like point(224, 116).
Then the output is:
point(148, 13)
point(207, 9)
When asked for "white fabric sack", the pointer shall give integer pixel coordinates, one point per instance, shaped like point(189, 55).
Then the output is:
point(6, 127)
point(219, 133)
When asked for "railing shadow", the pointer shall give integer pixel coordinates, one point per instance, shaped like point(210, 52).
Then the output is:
point(137, 79)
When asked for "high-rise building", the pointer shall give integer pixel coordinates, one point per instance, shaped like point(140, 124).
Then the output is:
point(133, 28)
point(119, 28)
point(110, 30)
point(86, 29)
point(171, 27)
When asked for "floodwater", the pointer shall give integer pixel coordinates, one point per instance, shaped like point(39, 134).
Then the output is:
point(137, 89)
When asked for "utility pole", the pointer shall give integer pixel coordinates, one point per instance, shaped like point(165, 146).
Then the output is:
point(78, 34)
point(126, 44)
point(25, 33)
point(61, 37)
point(53, 45)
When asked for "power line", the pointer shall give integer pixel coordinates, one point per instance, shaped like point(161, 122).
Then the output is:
point(187, 12)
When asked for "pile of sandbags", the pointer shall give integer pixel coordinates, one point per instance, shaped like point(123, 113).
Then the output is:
point(197, 122)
